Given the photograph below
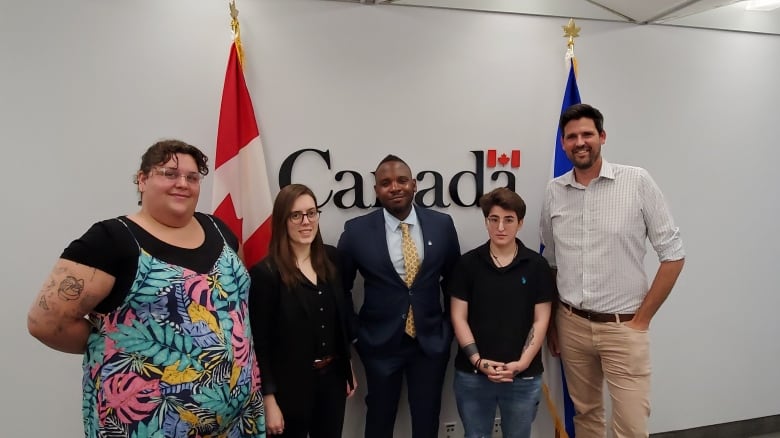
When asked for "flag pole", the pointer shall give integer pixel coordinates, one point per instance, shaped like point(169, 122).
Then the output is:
point(236, 29)
point(570, 32)
point(560, 430)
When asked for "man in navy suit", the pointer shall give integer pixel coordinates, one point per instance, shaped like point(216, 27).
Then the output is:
point(372, 245)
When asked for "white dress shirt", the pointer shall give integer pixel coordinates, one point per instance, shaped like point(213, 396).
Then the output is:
point(595, 236)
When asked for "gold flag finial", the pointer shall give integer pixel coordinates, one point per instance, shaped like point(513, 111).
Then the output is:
point(571, 31)
point(236, 30)
point(233, 10)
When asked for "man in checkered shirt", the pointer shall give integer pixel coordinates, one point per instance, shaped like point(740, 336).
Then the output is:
point(596, 220)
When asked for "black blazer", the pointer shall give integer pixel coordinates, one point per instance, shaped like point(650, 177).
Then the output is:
point(381, 321)
point(284, 339)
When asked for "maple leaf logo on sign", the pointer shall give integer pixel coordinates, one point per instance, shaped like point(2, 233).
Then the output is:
point(494, 159)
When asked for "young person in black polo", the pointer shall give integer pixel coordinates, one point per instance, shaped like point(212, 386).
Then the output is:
point(501, 301)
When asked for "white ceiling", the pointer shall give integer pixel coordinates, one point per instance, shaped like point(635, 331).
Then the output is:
point(710, 14)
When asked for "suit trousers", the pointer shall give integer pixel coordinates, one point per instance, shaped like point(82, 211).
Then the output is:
point(384, 376)
point(593, 351)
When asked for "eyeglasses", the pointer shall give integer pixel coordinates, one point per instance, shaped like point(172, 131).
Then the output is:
point(172, 174)
point(296, 217)
point(494, 221)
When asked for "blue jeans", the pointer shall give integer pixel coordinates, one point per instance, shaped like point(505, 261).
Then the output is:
point(477, 398)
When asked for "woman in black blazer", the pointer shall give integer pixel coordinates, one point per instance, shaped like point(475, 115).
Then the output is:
point(299, 322)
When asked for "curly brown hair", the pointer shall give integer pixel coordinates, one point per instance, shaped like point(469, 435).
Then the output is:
point(165, 150)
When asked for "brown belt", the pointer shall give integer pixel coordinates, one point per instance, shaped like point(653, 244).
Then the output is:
point(321, 363)
point(599, 317)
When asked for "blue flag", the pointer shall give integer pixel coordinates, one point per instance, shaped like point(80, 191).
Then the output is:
point(571, 96)
point(561, 165)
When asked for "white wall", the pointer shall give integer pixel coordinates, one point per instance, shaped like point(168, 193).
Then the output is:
point(86, 87)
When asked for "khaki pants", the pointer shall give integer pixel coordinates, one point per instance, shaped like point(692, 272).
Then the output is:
point(592, 351)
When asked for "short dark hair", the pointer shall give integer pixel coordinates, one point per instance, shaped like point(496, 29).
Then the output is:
point(165, 150)
point(504, 198)
point(389, 159)
point(580, 111)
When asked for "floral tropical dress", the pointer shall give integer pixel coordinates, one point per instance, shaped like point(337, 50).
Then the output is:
point(175, 359)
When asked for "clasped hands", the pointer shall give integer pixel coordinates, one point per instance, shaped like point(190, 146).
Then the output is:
point(500, 372)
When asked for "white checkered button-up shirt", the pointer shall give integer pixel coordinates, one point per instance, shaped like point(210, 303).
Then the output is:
point(595, 236)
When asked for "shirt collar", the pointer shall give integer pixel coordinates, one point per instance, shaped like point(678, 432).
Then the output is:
point(394, 223)
point(607, 171)
point(522, 252)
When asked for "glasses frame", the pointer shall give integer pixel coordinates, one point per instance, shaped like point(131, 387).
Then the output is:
point(173, 174)
point(497, 221)
point(296, 217)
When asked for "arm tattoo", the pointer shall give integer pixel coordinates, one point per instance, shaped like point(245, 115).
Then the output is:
point(42, 303)
point(71, 288)
point(529, 340)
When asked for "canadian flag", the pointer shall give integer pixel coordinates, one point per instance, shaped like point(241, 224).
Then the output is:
point(242, 195)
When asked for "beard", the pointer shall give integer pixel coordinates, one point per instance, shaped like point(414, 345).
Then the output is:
point(398, 209)
point(584, 162)
point(401, 209)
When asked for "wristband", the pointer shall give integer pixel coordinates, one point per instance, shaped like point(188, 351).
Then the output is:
point(470, 349)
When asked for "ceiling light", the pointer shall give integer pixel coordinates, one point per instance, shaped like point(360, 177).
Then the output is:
point(762, 5)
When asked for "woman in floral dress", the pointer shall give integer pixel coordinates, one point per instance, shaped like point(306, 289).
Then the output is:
point(157, 303)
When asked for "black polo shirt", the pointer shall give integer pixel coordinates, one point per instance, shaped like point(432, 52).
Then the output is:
point(501, 303)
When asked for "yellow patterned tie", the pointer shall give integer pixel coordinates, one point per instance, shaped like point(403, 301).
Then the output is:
point(411, 265)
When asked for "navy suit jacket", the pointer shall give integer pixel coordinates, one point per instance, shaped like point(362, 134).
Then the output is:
point(381, 320)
